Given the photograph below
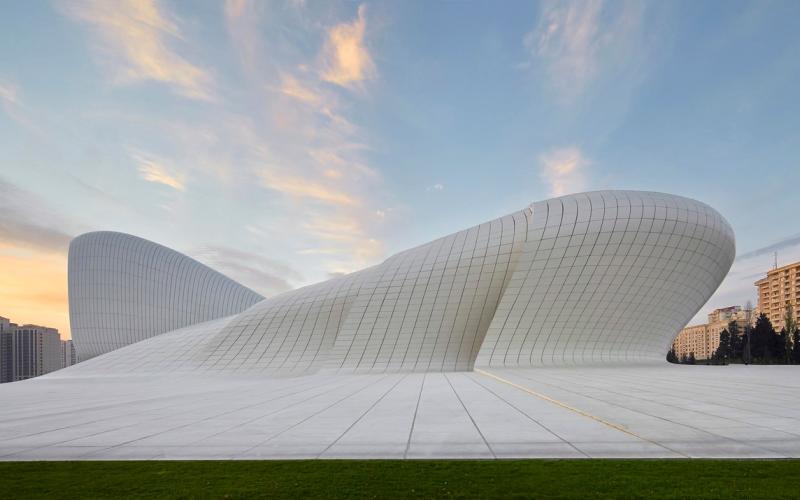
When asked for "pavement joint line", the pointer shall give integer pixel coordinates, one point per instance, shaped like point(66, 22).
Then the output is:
point(583, 413)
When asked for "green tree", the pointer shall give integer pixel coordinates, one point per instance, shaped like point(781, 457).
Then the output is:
point(722, 355)
point(691, 359)
point(790, 327)
point(796, 349)
point(746, 355)
point(672, 357)
point(779, 348)
point(736, 343)
point(762, 340)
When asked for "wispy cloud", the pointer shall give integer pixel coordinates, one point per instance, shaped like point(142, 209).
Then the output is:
point(12, 103)
point(738, 286)
point(435, 187)
point(292, 87)
point(35, 291)
point(563, 170)
point(28, 221)
point(349, 245)
point(135, 38)
point(307, 147)
point(346, 60)
point(34, 240)
point(303, 188)
point(786, 243)
point(235, 8)
point(153, 170)
point(575, 40)
point(262, 274)
point(9, 95)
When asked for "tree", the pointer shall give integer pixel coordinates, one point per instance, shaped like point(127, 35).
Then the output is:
point(789, 328)
point(672, 357)
point(779, 347)
point(796, 349)
point(746, 355)
point(736, 344)
point(762, 339)
point(691, 359)
point(724, 348)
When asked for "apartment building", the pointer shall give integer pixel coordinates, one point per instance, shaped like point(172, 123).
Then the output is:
point(780, 288)
point(703, 340)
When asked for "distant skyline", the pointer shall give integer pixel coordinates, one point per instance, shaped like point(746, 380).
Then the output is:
point(345, 132)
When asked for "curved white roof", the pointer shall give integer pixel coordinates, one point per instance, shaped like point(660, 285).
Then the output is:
point(599, 277)
point(123, 289)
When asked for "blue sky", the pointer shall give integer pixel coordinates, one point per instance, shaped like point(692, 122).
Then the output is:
point(281, 142)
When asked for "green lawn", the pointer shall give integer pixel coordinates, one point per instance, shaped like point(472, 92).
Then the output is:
point(403, 479)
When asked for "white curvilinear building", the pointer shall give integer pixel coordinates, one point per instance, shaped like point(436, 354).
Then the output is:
point(542, 333)
point(601, 277)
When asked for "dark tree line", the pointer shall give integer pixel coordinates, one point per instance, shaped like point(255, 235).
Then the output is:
point(760, 345)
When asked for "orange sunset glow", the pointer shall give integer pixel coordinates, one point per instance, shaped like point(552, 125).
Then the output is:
point(33, 287)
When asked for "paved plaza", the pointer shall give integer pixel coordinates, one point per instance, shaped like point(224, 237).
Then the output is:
point(661, 411)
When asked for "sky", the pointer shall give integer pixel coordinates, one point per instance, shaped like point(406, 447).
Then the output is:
point(282, 143)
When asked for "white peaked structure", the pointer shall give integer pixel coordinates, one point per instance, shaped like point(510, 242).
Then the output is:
point(592, 278)
point(123, 289)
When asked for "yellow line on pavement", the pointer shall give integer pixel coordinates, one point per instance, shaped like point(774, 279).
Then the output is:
point(573, 409)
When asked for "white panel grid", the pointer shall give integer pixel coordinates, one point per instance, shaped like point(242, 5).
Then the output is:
point(171, 352)
point(609, 276)
point(600, 277)
point(430, 306)
point(124, 289)
point(290, 333)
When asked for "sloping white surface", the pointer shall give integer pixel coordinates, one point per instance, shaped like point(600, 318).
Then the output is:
point(669, 411)
point(607, 276)
point(123, 289)
point(588, 278)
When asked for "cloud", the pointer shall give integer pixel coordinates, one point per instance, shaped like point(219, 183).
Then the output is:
point(346, 61)
point(152, 170)
point(576, 40)
point(262, 274)
point(435, 187)
point(235, 8)
point(27, 221)
point(12, 104)
point(135, 37)
point(33, 289)
point(346, 237)
point(738, 287)
point(563, 170)
point(299, 187)
point(291, 87)
point(9, 95)
point(11, 101)
point(791, 241)
point(306, 146)
point(33, 258)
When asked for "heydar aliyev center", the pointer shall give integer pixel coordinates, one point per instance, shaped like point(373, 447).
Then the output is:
point(542, 333)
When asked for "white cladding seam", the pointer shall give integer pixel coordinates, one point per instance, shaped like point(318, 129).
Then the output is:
point(600, 277)
point(171, 352)
point(427, 309)
point(123, 289)
point(608, 277)
point(292, 332)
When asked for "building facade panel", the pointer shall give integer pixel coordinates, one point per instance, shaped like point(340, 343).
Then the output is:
point(428, 308)
point(124, 289)
point(601, 277)
point(608, 277)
